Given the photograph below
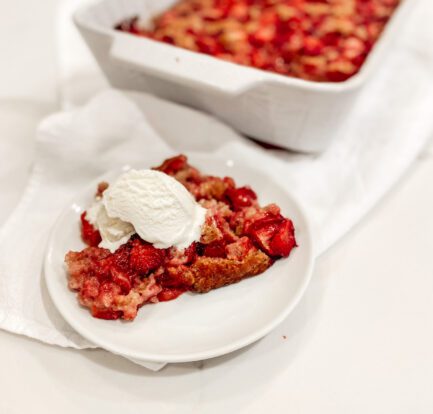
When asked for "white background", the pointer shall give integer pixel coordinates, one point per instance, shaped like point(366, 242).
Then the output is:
point(361, 340)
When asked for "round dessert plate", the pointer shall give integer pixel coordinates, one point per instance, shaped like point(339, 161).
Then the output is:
point(194, 326)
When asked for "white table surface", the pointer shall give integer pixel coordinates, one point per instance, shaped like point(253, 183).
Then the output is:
point(360, 341)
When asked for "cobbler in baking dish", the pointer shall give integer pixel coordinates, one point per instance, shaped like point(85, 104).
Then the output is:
point(319, 40)
point(237, 238)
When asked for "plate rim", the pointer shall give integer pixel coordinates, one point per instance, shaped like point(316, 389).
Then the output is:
point(196, 355)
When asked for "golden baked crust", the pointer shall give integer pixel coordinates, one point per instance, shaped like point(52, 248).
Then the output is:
point(214, 272)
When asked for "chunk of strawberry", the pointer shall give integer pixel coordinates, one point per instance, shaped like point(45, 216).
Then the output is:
point(208, 45)
point(102, 268)
point(283, 240)
point(215, 249)
point(144, 257)
point(107, 314)
point(167, 294)
point(173, 165)
point(190, 253)
point(120, 257)
point(89, 234)
point(241, 197)
point(121, 279)
point(313, 46)
point(229, 182)
point(262, 231)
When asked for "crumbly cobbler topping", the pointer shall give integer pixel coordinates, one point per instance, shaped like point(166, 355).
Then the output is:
point(319, 40)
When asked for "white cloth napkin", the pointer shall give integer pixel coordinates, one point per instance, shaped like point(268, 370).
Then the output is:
point(387, 128)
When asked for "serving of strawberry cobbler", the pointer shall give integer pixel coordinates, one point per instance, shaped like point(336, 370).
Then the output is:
point(318, 40)
point(237, 239)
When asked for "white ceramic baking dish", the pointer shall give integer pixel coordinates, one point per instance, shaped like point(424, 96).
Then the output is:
point(291, 113)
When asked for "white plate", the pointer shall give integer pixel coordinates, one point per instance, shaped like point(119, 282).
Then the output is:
point(194, 326)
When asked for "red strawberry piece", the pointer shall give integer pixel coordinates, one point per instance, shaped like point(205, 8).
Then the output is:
point(338, 75)
point(262, 231)
point(121, 279)
point(208, 45)
point(144, 257)
point(331, 39)
point(173, 165)
point(215, 249)
point(120, 257)
point(167, 294)
point(283, 240)
point(190, 253)
point(229, 182)
point(262, 36)
point(259, 58)
point(102, 268)
point(239, 11)
point(89, 234)
point(241, 197)
point(168, 39)
point(312, 46)
point(107, 314)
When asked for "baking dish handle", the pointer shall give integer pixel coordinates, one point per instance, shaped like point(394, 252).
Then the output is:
point(182, 66)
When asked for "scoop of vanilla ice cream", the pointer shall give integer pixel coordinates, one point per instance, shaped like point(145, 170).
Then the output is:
point(161, 209)
point(114, 232)
point(150, 203)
